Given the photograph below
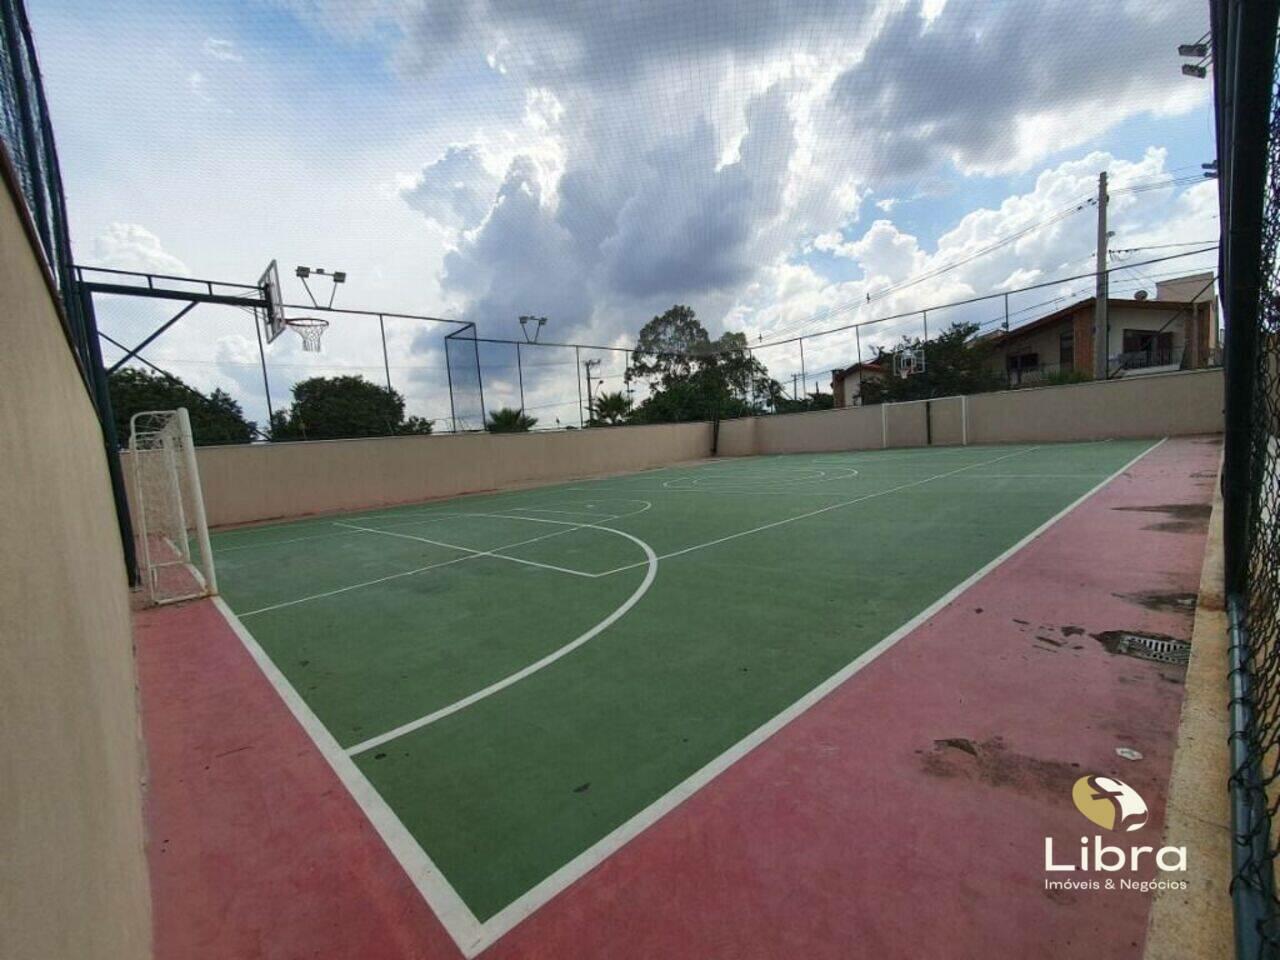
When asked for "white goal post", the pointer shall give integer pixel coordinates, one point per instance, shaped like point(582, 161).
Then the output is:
point(168, 505)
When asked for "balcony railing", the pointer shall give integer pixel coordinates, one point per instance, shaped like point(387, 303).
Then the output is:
point(1141, 359)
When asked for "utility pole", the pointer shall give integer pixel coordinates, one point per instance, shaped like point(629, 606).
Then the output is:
point(591, 413)
point(1008, 374)
point(803, 379)
point(1101, 327)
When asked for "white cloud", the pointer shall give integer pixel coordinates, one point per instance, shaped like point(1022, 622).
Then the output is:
point(456, 191)
point(196, 84)
point(131, 246)
point(223, 50)
point(544, 158)
point(793, 298)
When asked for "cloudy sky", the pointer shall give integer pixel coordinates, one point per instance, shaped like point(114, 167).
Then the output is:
point(781, 167)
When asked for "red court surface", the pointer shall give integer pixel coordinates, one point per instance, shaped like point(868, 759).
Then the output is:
point(903, 815)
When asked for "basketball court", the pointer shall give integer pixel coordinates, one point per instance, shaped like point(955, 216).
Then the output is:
point(513, 688)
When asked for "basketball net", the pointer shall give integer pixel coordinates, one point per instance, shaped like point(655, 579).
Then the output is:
point(311, 330)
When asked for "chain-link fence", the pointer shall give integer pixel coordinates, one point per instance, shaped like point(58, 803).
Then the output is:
point(208, 337)
point(1248, 107)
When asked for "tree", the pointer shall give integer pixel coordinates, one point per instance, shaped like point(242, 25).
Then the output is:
point(612, 408)
point(334, 408)
point(954, 363)
point(419, 426)
point(812, 401)
point(508, 420)
point(215, 419)
point(691, 376)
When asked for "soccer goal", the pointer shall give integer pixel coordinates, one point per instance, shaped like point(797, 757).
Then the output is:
point(173, 536)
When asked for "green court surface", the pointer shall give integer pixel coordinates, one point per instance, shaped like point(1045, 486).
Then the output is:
point(520, 674)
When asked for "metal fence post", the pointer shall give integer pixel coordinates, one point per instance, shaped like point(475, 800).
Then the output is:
point(266, 384)
point(386, 365)
point(520, 374)
point(577, 369)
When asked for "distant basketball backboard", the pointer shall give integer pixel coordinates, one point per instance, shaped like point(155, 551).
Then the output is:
point(273, 323)
point(909, 361)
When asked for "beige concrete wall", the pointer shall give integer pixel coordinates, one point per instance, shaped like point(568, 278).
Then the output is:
point(906, 424)
point(948, 421)
point(73, 877)
point(255, 482)
point(738, 437)
point(851, 428)
point(1158, 405)
point(244, 484)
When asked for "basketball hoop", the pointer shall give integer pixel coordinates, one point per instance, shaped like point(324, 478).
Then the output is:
point(310, 329)
point(909, 361)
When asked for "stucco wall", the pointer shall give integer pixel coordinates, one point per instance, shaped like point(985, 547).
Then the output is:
point(948, 426)
point(243, 484)
point(266, 481)
point(852, 428)
point(1158, 405)
point(73, 878)
point(1137, 318)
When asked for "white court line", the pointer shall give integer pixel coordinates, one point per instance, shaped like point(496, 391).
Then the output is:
point(473, 552)
point(732, 483)
point(588, 513)
point(402, 573)
point(822, 510)
point(472, 936)
point(508, 917)
point(261, 544)
point(451, 909)
point(650, 559)
point(566, 513)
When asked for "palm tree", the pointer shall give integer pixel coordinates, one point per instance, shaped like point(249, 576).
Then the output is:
point(508, 420)
point(612, 408)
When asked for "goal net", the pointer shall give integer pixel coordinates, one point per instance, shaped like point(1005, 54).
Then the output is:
point(169, 521)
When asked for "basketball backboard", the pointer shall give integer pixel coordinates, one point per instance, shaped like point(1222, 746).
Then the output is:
point(909, 361)
point(273, 322)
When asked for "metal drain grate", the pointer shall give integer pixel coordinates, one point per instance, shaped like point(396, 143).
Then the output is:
point(1154, 648)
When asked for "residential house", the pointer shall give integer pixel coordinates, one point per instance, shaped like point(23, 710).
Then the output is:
point(1177, 329)
point(847, 384)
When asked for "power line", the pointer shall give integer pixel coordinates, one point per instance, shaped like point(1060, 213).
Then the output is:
point(854, 304)
point(960, 303)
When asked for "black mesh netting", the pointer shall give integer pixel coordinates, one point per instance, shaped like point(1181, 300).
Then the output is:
point(1259, 777)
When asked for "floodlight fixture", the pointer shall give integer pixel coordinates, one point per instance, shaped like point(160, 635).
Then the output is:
point(335, 277)
point(1194, 70)
point(538, 322)
point(1193, 49)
